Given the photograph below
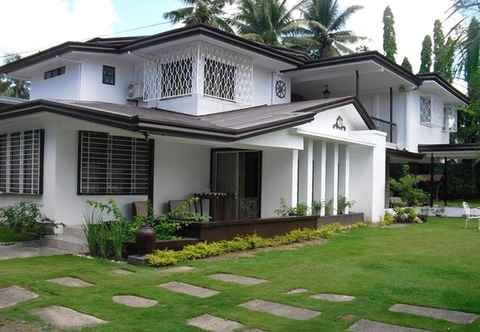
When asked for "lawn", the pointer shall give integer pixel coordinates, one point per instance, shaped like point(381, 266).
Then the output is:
point(434, 264)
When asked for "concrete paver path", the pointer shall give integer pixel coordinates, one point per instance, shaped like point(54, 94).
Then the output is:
point(452, 316)
point(66, 318)
point(372, 326)
point(14, 295)
point(184, 288)
point(281, 310)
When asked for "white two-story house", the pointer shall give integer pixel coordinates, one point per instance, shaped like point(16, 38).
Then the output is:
point(197, 110)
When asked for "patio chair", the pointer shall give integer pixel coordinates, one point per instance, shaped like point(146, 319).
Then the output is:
point(468, 215)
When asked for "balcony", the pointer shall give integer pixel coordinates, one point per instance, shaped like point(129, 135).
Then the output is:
point(387, 127)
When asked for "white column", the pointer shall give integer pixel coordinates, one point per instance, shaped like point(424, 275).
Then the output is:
point(347, 178)
point(309, 170)
point(335, 180)
point(294, 177)
point(323, 177)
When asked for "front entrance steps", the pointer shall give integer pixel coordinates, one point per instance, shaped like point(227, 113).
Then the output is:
point(72, 239)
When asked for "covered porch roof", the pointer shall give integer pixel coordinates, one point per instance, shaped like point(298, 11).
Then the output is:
point(225, 126)
point(453, 151)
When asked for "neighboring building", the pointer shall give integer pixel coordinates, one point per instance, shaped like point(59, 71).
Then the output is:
point(197, 110)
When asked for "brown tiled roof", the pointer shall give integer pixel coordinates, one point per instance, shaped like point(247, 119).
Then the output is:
point(231, 125)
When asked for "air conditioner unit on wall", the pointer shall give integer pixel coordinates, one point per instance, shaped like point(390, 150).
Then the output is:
point(135, 91)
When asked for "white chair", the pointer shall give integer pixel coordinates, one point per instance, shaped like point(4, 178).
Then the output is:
point(468, 215)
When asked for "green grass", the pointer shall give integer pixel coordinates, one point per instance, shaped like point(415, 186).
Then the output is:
point(434, 264)
point(9, 235)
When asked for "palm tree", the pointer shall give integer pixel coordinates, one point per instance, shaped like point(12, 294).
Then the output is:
point(210, 12)
point(266, 21)
point(324, 35)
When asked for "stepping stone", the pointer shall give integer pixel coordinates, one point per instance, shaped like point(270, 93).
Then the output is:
point(214, 324)
point(457, 317)
point(297, 291)
point(122, 272)
point(66, 318)
point(236, 279)
point(14, 295)
point(183, 288)
point(177, 269)
point(364, 325)
point(71, 282)
point(252, 330)
point(281, 310)
point(333, 297)
point(134, 301)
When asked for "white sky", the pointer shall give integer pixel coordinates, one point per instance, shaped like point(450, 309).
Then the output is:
point(35, 25)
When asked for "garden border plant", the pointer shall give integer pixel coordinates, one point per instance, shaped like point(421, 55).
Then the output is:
point(204, 249)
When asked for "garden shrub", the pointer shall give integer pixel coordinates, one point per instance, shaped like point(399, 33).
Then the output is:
point(291, 211)
point(405, 188)
point(402, 216)
point(204, 249)
point(107, 229)
point(25, 219)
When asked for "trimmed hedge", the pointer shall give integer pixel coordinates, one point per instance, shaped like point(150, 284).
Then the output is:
point(204, 249)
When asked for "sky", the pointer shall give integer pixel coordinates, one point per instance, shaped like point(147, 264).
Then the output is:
point(36, 25)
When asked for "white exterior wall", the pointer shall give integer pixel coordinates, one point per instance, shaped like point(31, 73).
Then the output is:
point(92, 87)
point(65, 86)
point(180, 170)
point(416, 133)
point(279, 171)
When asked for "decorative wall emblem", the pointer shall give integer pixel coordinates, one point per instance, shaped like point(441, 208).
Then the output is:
point(281, 88)
point(339, 124)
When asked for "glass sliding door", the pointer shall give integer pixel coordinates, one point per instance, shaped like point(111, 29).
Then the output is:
point(238, 174)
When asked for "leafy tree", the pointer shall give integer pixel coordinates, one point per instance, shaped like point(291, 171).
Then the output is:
point(266, 21)
point(209, 12)
point(12, 87)
point(389, 38)
point(438, 47)
point(426, 55)
point(449, 59)
point(407, 65)
point(469, 118)
point(324, 34)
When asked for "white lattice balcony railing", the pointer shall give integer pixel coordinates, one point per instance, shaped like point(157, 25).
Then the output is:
point(199, 68)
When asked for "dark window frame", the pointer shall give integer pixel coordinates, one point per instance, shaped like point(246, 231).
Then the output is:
point(54, 72)
point(106, 74)
point(150, 148)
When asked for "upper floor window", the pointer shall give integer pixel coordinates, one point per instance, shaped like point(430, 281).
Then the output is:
point(176, 78)
point(449, 118)
point(108, 75)
point(425, 111)
point(21, 162)
point(54, 72)
point(219, 79)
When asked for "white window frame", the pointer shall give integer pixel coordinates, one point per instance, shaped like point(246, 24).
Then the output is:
point(450, 111)
point(423, 122)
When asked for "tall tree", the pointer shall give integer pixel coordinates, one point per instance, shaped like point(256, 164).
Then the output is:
point(407, 65)
point(426, 55)
point(266, 21)
point(324, 34)
point(389, 38)
point(438, 47)
point(209, 12)
point(11, 87)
